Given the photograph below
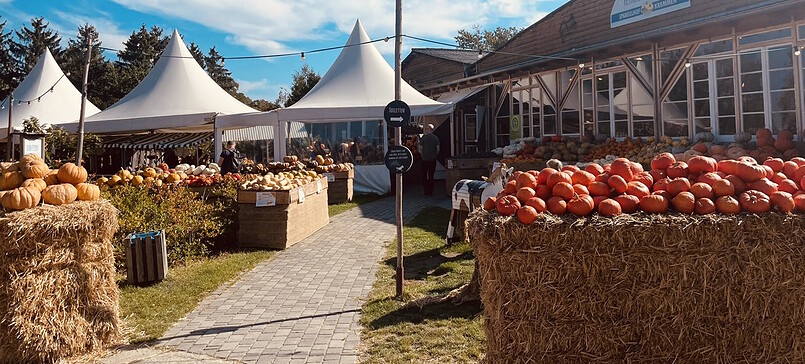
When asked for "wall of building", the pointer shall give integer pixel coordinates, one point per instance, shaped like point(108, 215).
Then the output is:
point(423, 71)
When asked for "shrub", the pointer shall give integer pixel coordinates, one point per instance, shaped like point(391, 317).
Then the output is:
point(189, 222)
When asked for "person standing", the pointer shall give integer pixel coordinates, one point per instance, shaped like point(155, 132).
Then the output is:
point(429, 149)
point(229, 160)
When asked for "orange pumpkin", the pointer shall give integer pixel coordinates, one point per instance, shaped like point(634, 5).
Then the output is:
point(645, 178)
point(654, 204)
point(678, 169)
point(543, 192)
point(755, 201)
point(60, 194)
point(728, 205)
point(542, 178)
point(618, 183)
point(563, 190)
point(778, 177)
point(709, 178)
point(701, 190)
point(507, 205)
point(20, 198)
point(537, 203)
point(523, 194)
point(52, 178)
point(637, 189)
point(489, 204)
point(580, 190)
point(799, 202)
point(31, 166)
point(583, 178)
point(662, 161)
point(657, 174)
point(10, 180)
point(782, 202)
point(723, 187)
point(555, 178)
point(557, 205)
point(789, 168)
point(764, 185)
point(37, 183)
point(705, 206)
point(739, 184)
point(622, 167)
point(684, 202)
point(628, 203)
point(526, 180)
point(510, 188)
point(594, 169)
point(609, 207)
point(678, 185)
point(701, 164)
point(526, 215)
point(661, 184)
point(776, 164)
point(581, 205)
point(571, 169)
point(750, 172)
point(91, 192)
point(727, 166)
point(787, 185)
point(599, 189)
point(72, 174)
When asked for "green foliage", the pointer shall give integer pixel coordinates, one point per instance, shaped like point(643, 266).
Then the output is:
point(102, 81)
point(484, 39)
point(32, 41)
point(9, 73)
point(31, 126)
point(61, 146)
point(303, 81)
point(140, 52)
point(190, 224)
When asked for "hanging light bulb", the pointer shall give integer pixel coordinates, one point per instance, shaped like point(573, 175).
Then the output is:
point(51, 90)
point(303, 56)
point(480, 53)
point(387, 39)
point(687, 64)
point(67, 74)
point(797, 51)
point(581, 65)
point(29, 102)
point(39, 99)
point(223, 61)
point(3, 107)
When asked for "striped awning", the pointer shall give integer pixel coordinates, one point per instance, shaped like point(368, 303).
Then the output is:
point(157, 141)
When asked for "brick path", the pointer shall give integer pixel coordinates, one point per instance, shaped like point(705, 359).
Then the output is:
point(303, 305)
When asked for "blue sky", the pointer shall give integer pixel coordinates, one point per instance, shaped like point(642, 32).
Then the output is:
point(249, 27)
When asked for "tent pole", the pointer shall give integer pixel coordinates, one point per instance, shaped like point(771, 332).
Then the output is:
point(218, 140)
point(80, 151)
point(10, 143)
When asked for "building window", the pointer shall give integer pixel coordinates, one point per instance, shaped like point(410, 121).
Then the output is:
point(613, 107)
point(642, 109)
point(716, 47)
point(725, 97)
point(764, 37)
point(767, 89)
point(549, 117)
point(571, 124)
point(701, 97)
point(669, 60)
point(603, 108)
point(675, 109)
point(587, 94)
point(470, 128)
point(536, 111)
point(502, 121)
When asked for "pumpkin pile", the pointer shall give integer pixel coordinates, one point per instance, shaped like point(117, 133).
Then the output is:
point(700, 186)
point(25, 184)
point(282, 181)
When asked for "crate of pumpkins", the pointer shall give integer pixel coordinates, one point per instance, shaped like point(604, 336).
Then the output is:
point(29, 182)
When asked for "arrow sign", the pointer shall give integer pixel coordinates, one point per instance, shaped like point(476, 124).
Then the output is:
point(397, 114)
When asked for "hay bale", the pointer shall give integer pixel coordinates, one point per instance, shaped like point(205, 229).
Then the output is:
point(58, 295)
point(642, 288)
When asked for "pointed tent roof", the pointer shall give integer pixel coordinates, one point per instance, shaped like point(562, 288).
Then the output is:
point(177, 95)
point(358, 86)
point(63, 105)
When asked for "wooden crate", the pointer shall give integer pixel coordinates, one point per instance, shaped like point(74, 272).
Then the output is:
point(340, 191)
point(282, 225)
point(146, 258)
point(283, 197)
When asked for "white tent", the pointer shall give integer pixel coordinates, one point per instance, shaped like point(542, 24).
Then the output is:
point(176, 96)
point(47, 94)
point(357, 87)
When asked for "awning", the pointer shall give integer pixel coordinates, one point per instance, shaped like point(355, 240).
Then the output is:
point(454, 97)
point(157, 141)
point(263, 132)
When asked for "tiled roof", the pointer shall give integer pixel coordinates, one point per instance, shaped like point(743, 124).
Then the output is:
point(455, 55)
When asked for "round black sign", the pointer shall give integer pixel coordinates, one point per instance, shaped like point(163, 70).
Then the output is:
point(399, 159)
point(397, 114)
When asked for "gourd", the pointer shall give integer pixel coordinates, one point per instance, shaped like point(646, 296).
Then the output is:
point(705, 136)
point(88, 192)
point(60, 194)
point(52, 177)
point(10, 180)
point(37, 183)
point(743, 137)
point(32, 166)
point(21, 198)
point(72, 174)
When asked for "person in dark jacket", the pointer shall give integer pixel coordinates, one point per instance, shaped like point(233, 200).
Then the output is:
point(230, 159)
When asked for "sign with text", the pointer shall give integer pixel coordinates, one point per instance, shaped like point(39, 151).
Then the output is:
point(301, 195)
point(330, 177)
point(399, 159)
point(397, 114)
point(265, 199)
point(32, 146)
point(631, 11)
point(515, 127)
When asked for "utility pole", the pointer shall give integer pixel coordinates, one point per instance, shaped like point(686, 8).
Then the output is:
point(80, 148)
point(10, 142)
point(398, 141)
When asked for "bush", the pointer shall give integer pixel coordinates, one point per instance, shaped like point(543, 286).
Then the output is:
point(190, 223)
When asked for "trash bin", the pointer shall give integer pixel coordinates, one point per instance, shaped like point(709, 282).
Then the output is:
point(146, 257)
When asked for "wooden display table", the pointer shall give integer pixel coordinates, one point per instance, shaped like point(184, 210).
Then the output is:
point(339, 186)
point(465, 168)
point(279, 219)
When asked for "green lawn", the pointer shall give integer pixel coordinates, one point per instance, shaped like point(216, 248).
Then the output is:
point(439, 333)
point(357, 200)
point(149, 311)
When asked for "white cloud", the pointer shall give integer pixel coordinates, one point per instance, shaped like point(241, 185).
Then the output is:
point(110, 33)
point(260, 89)
point(249, 86)
point(272, 26)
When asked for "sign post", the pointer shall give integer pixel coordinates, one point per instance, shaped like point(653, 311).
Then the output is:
point(400, 276)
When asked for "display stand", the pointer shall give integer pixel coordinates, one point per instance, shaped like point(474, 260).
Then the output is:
point(279, 219)
point(466, 168)
point(340, 186)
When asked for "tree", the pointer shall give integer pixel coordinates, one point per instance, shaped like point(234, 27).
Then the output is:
point(102, 82)
point(9, 73)
point(197, 54)
point(264, 105)
point(303, 81)
point(138, 56)
point(484, 39)
point(32, 42)
point(214, 64)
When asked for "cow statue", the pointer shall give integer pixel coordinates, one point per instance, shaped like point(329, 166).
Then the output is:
point(470, 194)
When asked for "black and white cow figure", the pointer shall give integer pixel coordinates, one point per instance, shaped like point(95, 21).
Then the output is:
point(470, 194)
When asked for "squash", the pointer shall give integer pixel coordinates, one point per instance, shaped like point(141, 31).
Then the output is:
point(149, 172)
point(10, 180)
point(21, 198)
point(743, 137)
point(137, 180)
point(173, 178)
point(755, 202)
point(705, 136)
point(52, 178)
point(60, 194)
point(38, 183)
point(72, 174)
point(526, 215)
point(581, 205)
point(32, 166)
point(88, 192)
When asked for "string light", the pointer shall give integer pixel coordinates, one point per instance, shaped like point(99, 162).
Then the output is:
point(687, 64)
point(480, 54)
point(223, 61)
point(581, 65)
point(303, 56)
point(797, 51)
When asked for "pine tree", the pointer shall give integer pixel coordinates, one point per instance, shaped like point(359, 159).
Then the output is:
point(9, 73)
point(198, 55)
point(31, 43)
point(303, 81)
point(219, 73)
point(100, 84)
point(140, 52)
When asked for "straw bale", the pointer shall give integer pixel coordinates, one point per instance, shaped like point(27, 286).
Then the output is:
point(58, 295)
point(642, 288)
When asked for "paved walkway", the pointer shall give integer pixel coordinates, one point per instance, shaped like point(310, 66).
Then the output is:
point(302, 306)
